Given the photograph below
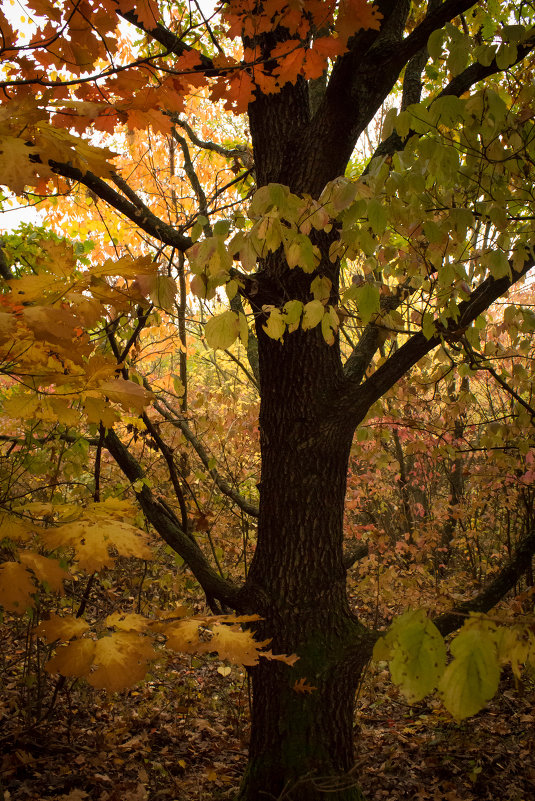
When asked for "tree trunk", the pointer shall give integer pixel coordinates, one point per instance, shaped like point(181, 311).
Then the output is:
point(302, 736)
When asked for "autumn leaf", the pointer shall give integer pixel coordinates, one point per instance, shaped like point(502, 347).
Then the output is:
point(129, 394)
point(234, 644)
point(160, 288)
point(222, 330)
point(61, 628)
point(74, 659)
point(16, 587)
point(93, 539)
point(128, 621)
point(182, 635)
point(46, 570)
point(355, 15)
point(303, 687)
point(17, 171)
point(14, 528)
point(120, 661)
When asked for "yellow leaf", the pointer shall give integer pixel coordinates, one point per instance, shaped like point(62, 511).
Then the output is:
point(129, 394)
point(7, 326)
point(97, 410)
point(21, 405)
point(16, 169)
point(61, 628)
point(312, 314)
point(92, 539)
point(16, 587)
point(121, 661)
point(222, 330)
point(233, 644)
point(13, 528)
point(128, 621)
point(183, 635)
point(57, 144)
point(47, 570)
point(74, 659)
point(275, 326)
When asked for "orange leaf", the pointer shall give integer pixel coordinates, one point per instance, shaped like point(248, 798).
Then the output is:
point(355, 15)
point(302, 686)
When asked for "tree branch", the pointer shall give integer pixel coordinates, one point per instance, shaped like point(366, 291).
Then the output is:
point(169, 528)
point(136, 212)
point(496, 589)
point(171, 42)
point(176, 420)
point(349, 407)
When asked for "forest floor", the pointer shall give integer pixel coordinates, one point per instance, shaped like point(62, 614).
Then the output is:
point(184, 738)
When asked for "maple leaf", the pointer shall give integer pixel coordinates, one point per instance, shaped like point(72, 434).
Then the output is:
point(92, 540)
point(146, 11)
point(355, 15)
point(74, 659)
point(16, 587)
point(237, 91)
point(45, 569)
point(128, 621)
point(61, 628)
point(182, 635)
point(57, 144)
point(16, 169)
point(121, 660)
point(234, 644)
point(302, 686)
point(14, 528)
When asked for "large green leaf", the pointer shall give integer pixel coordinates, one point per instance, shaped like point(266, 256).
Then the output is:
point(416, 653)
point(471, 679)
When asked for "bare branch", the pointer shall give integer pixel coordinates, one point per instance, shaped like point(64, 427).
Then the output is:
point(168, 526)
point(176, 420)
point(137, 212)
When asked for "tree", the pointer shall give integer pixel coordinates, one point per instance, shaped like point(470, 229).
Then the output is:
point(350, 281)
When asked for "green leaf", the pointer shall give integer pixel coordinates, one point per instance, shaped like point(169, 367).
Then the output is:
point(499, 264)
point(368, 302)
point(506, 55)
point(471, 679)
point(434, 43)
point(376, 216)
point(221, 331)
point(458, 55)
point(416, 652)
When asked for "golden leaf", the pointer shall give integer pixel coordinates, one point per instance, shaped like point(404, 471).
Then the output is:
point(128, 621)
point(16, 587)
point(47, 570)
point(129, 394)
point(183, 635)
point(121, 661)
point(74, 659)
point(233, 644)
point(14, 528)
point(92, 539)
point(61, 628)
